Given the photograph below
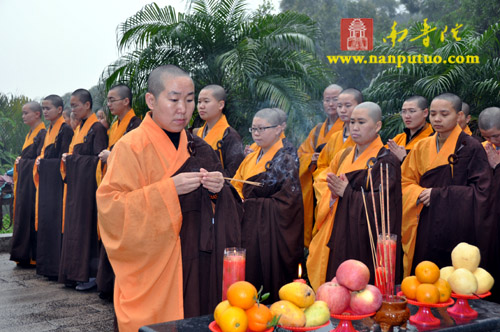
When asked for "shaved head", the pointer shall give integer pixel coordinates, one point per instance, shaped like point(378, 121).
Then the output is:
point(34, 107)
point(271, 115)
point(357, 95)
point(158, 75)
point(217, 91)
point(333, 87)
point(374, 111)
point(422, 102)
point(123, 91)
point(455, 100)
point(465, 109)
point(489, 118)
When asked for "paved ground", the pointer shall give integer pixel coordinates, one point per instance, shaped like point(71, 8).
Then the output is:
point(29, 302)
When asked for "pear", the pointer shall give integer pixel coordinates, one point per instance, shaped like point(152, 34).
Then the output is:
point(445, 272)
point(289, 313)
point(465, 256)
point(484, 280)
point(462, 281)
point(317, 314)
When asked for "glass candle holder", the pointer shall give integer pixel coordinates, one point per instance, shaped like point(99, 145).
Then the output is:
point(386, 268)
point(233, 267)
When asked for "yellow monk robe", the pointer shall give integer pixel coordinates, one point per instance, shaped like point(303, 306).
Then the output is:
point(400, 139)
point(411, 171)
point(467, 130)
point(28, 140)
point(317, 136)
point(250, 166)
point(140, 222)
point(335, 144)
point(117, 130)
point(50, 138)
point(342, 163)
point(215, 134)
point(78, 137)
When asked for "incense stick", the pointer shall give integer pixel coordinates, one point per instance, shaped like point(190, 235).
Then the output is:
point(372, 245)
point(258, 184)
point(374, 209)
point(389, 229)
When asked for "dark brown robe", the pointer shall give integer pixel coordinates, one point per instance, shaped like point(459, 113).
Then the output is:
point(273, 224)
point(231, 149)
point(203, 236)
point(105, 276)
point(50, 195)
point(23, 248)
point(350, 238)
point(80, 252)
point(459, 207)
point(494, 258)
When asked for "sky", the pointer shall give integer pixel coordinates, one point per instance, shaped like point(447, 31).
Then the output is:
point(58, 46)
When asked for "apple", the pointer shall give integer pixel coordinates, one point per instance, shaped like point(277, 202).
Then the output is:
point(366, 301)
point(337, 297)
point(353, 274)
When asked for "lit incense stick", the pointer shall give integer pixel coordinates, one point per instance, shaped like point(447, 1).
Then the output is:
point(258, 184)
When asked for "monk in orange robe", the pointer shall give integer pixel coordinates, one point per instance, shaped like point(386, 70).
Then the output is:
point(342, 231)
point(49, 185)
point(216, 130)
point(119, 104)
point(309, 151)
point(414, 113)
point(80, 250)
point(272, 228)
point(23, 248)
point(167, 216)
point(489, 126)
point(446, 184)
point(341, 139)
point(464, 117)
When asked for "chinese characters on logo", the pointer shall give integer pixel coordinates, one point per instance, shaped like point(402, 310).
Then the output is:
point(399, 36)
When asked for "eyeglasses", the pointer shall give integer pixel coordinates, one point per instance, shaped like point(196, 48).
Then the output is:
point(260, 129)
point(111, 100)
point(409, 111)
point(330, 100)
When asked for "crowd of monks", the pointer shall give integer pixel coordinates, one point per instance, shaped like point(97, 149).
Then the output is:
point(144, 209)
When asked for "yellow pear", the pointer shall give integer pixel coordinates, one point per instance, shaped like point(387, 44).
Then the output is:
point(445, 272)
point(484, 280)
point(465, 256)
point(462, 281)
point(298, 293)
point(317, 314)
point(291, 315)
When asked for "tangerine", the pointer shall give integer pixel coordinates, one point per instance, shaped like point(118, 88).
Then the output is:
point(427, 272)
point(444, 289)
point(233, 319)
point(258, 317)
point(242, 294)
point(409, 287)
point(219, 309)
point(427, 293)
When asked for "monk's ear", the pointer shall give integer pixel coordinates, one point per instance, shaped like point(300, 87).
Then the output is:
point(378, 126)
point(426, 112)
point(150, 100)
point(222, 103)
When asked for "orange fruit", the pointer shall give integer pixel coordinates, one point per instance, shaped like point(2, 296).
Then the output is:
point(219, 309)
point(233, 319)
point(444, 289)
point(427, 272)
point(242, 294)
point(427, 293)
point(409, 287)
point(258, 317)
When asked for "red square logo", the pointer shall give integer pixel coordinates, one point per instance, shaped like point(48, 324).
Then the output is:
point(356, 34)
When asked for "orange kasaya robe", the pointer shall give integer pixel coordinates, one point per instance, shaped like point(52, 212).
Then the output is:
point(117, 130)
point(317, 136)
point(467, 130)
point(412, 170)
point(50, 138)
point(319, 252)
point(78, 137)
point(250, 166)
point(215, 134)
point(28, 140)
point(335, 144)
point(400, 139)
point(140, 222)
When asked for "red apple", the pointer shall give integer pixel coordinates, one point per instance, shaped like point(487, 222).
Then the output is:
point(334, 280)
point(353, 274)
point(366, 301)
point(336, 297)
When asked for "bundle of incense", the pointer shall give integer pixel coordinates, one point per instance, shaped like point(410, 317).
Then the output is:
point(258, 184)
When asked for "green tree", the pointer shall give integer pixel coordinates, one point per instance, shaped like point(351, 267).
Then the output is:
point(12, 129)
point(478, 84)
point(261, 60)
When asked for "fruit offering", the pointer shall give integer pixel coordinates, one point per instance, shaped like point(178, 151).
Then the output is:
point(426, 286)
point(350, 289)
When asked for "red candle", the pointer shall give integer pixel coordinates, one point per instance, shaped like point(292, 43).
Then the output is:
point(233, 268)
point(386, 246)
point(302, 281)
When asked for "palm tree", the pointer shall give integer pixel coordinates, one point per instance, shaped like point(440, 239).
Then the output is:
point(261, 60)
point(477, 84)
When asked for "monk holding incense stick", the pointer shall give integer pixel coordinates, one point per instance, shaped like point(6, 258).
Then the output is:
point(342, 231)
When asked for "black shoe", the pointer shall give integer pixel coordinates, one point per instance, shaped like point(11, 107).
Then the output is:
point(108, 296)
point(70, 284)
